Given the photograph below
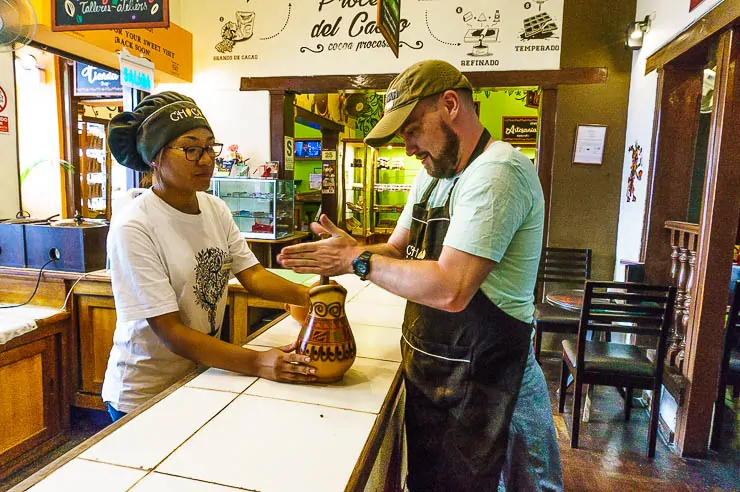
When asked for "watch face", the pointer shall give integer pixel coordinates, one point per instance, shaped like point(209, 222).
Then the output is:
point(361, 267)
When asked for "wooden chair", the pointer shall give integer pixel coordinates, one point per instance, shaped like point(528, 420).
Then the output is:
point(627, 308)
point(565, 267)
point(729, 372)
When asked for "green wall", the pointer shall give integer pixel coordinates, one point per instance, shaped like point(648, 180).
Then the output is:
point(496, 104)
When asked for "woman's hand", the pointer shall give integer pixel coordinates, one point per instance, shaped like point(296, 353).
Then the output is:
point(283, 365)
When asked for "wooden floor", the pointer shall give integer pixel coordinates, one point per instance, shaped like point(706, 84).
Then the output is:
point(611, 456)
point(612, 453)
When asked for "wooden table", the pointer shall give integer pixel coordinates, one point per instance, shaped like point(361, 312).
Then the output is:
point(263, 248)
point(568, 299)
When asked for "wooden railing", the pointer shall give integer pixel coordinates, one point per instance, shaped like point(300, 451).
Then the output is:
point(683, 238)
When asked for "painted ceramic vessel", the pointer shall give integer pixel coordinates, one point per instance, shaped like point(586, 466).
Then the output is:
point(326, 335)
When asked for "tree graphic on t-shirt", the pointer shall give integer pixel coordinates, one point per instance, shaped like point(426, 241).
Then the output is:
point(210, 281)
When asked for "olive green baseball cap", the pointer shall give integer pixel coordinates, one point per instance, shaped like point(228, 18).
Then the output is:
point(420, 80)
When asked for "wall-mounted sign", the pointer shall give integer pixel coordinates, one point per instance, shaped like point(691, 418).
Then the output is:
point(289, 155)
point(589, 145)
point(519, 130)
point(136, 72)
point(94, 81)
point(389, 22)
point(69, 15)
point(328, 155)
point(339, 37)
point(4, 121)
point(328, 178)
point(3, 99)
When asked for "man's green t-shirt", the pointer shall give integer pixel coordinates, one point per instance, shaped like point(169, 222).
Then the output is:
point(497, 211)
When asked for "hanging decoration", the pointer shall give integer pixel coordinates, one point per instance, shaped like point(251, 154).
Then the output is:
point(635, 171)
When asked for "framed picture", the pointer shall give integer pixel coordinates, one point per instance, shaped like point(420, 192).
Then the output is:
point(588, 147)
point(532, 99)
point(519, 130)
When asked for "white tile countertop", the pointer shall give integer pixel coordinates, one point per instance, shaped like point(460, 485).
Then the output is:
point(219, 431)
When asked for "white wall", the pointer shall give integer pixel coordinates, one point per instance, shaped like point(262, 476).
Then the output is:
point(38, 130)
point(9, 195)
point(670, 18)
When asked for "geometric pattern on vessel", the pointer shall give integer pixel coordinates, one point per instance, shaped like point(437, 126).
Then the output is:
point(326, 336)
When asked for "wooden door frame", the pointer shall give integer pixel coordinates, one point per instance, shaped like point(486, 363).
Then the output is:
point(679, 64)
point(281, 90)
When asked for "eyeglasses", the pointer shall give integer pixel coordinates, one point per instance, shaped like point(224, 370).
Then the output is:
point(194, 153)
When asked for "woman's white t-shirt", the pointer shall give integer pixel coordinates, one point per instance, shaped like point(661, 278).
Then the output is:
point(162, 261)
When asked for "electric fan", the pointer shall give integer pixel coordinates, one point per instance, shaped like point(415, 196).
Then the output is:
point(17, 24)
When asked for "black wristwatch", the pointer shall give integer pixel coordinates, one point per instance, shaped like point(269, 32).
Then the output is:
point(361, 265)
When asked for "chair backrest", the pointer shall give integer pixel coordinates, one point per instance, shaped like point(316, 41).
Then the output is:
point(626, 307)
point(563, 266)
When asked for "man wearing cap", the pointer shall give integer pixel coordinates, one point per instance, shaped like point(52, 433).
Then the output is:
point(464, 253)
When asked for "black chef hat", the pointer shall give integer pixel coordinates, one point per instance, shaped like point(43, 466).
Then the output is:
point(135, 137)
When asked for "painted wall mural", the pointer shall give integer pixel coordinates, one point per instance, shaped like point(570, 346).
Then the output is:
point(317, 37)
point(635, 172)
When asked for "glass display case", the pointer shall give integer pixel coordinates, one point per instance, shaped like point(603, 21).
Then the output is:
point(355, 156)
point(95, 168)
point(262, 208)
point(393, 173)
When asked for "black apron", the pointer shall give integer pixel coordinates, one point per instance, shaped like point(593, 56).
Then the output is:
point(462, 373)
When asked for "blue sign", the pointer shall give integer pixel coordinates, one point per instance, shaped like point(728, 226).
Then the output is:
point(94, 81)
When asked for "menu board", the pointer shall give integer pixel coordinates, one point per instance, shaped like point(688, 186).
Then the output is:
point(389, 22)
point(76, 15)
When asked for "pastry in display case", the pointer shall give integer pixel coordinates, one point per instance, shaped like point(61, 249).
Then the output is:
point(262, 208)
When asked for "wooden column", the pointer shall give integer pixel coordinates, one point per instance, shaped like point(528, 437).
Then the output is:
point(716, 239)
point(282, 125)
point(546, 150)
point(72, 194)
point(329, 141)
point(671, 165)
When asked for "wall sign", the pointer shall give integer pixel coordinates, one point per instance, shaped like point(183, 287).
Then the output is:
point(94, 81)
point(136, 72)
point(328, 37)
point(289, 156)
point(389, 22)
point(4, 121)
point(521, 130)
point(87, 15)
point(589, 144)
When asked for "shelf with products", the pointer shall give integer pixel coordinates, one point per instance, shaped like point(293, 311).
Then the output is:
point(392, 176)
point(94, 166)
point(262, 208)
point(355, 200)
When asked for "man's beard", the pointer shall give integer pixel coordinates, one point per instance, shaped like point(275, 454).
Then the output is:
point(445, 165)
